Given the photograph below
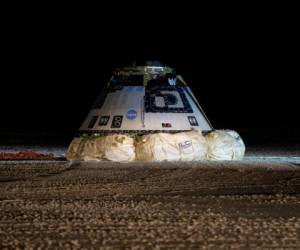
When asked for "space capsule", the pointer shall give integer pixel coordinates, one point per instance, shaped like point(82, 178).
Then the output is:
point(145, 99)
point(148, 113)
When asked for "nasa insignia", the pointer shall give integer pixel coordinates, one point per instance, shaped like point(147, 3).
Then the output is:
point(131, 114)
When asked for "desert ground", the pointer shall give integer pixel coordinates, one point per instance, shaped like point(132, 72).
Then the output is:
point(252, 204)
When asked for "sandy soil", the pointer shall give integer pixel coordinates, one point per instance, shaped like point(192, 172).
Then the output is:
point(208, 205)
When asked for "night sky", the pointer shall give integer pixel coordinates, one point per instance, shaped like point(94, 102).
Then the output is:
point(244, 71)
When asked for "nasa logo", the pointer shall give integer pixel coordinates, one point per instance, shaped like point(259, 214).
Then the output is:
point(131, 114)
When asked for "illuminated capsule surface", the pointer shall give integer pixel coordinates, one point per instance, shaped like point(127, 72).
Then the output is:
point(145, 99)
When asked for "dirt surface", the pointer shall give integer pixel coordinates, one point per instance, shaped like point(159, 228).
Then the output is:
point(208, 205)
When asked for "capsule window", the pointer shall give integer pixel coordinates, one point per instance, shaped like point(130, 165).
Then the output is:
point(103, 120)
point(117, 121)
point(193, 121)
point(92, 121)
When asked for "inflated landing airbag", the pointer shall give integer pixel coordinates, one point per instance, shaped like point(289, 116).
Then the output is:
point(182, 146)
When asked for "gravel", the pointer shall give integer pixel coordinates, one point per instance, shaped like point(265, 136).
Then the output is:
point(208, 205)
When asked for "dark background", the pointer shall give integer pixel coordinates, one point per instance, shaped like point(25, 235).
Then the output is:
point(243, 68)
